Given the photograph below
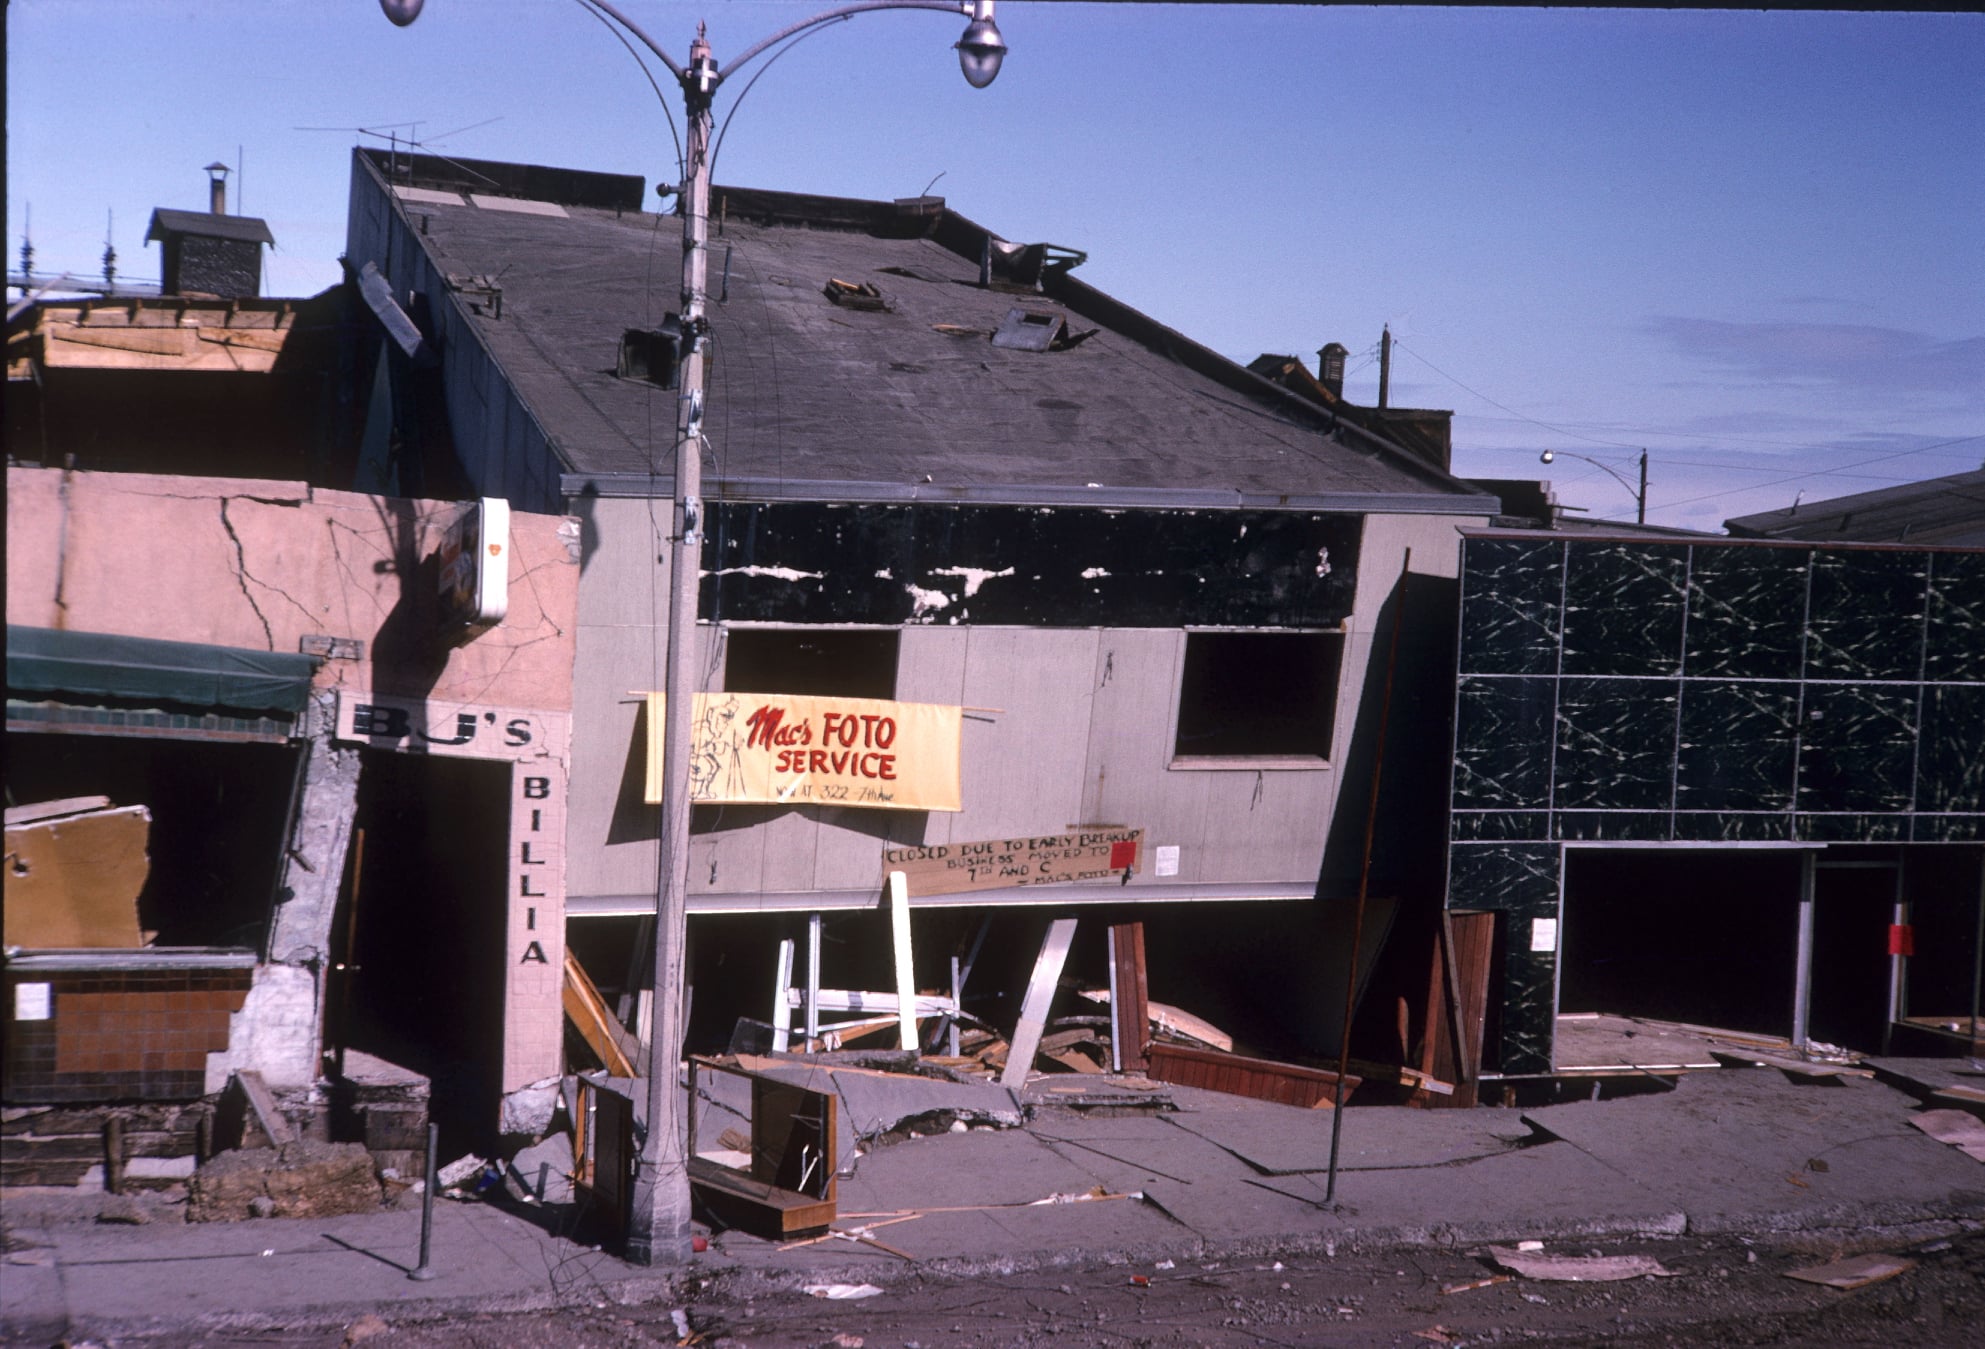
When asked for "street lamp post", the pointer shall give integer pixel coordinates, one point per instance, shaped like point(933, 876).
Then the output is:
point(1639, 494)
point(658, 1221)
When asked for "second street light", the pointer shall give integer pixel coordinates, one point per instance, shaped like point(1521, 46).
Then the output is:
point(658, 1223)
point(1639, 494)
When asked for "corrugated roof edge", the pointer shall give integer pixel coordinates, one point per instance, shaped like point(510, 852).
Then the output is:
point(1007, 494)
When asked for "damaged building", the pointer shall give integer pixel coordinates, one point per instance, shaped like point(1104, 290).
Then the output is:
point(1726, 783)
point(1151, 590)
point(268, 752)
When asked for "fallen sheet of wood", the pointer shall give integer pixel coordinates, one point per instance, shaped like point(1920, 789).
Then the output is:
point(1174, 1021)
point(74, 871)
point(1857, 1271)
point(1578, 1268)
point(1800, 1070)
point(1961, 1130)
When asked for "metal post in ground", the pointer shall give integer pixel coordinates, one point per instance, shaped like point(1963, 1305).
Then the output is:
point(424, 1270)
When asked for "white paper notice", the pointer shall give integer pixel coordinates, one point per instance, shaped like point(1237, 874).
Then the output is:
point(1165, 860)
point(31, 1002)
point(1543, 934)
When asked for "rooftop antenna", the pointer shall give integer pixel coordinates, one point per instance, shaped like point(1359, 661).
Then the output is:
point(27, 244)
point(109, 254)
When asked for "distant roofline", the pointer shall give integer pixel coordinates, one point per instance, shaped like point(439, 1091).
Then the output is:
point(718, 488)
point(1792, 520)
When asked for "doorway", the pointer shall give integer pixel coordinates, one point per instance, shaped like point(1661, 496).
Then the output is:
point(425, 921)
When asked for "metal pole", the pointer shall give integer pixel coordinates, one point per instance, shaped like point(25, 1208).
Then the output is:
point(425, 1271)
point(1364, 882)
point(1641, 500)
point(658, 1225)
point(1802, 960)
point(1898, 963)
point(1977, 960)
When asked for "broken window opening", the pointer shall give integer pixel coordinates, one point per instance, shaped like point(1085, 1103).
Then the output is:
point(829, 662)
point(1256, 695)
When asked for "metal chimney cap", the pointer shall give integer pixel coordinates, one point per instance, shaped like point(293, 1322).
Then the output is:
point(217, 167)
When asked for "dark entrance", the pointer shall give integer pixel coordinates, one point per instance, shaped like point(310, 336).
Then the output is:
point(425, 907)
point(1853, 902)
point(1704, 937)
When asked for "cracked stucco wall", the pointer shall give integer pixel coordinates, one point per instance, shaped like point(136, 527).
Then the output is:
point(262, 565)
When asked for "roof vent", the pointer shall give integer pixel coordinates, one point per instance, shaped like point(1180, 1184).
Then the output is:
point(1010, 266)
point(651, 354)
point(1037, 330)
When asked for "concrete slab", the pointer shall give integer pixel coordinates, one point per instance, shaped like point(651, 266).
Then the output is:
point(1552, 1189)
point(948, 1170)
point(1281, 1140)
point(177, 1275)
point(1743, 1146)
point(1132, 1154)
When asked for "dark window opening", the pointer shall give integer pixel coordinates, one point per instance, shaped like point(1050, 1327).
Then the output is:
point(829, 662)
point(219, 822)
point(1255, 694)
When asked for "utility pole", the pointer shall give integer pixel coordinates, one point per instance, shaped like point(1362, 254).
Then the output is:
point(658, 1223)
point(1385, 367)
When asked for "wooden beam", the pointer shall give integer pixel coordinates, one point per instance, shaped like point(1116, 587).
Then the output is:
point(588, 1011)
point(1040, 996)
point(906, 969)
point(1130, 997)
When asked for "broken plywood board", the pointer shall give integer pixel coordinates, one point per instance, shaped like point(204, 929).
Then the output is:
point(1170, 1020)
point(1961, 1130)
point(73, 879)
point(1601, 1040)
point(874, 1102)
point(1856, 1271)
point(1283, 1142)
point(1578, 1268)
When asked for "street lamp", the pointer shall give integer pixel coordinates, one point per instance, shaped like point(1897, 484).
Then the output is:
point(658, 1223)
point(1639, 493)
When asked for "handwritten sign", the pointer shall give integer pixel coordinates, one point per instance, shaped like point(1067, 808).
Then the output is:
point(952, 868)
point(781, 749)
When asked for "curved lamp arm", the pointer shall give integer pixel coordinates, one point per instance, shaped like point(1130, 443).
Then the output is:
point(981, 36)
point(613, 12)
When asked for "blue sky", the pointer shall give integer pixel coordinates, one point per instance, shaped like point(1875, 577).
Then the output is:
point(1751, 243)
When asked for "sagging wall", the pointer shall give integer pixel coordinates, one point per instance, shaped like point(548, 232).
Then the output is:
point(1702, 694)
point(263, 566)
point(1086, 709)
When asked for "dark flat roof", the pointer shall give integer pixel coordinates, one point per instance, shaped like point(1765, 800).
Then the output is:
point(1941, 510)
point(911, 398)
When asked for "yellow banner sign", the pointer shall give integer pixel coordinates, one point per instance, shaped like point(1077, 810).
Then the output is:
point(953, 868)
point(779, 749)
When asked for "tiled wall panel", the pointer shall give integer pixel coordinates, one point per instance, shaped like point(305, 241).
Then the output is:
point(1716, 692)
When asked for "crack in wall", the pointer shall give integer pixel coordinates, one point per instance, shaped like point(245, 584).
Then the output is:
point(245, 575)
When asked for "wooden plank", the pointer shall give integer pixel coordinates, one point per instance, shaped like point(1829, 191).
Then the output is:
point(1457, 999)
point(782, 998)
point(1130, 996)
point(1040, 996)
point(906, 965)
point(588, 1012)
point(1238, 1075)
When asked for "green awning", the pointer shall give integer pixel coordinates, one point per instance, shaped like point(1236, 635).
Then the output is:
point(45, 661)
